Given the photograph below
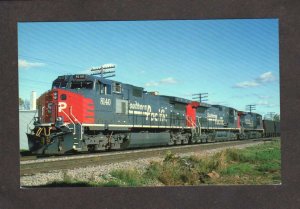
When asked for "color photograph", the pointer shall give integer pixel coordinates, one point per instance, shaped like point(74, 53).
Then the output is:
point(149, 103)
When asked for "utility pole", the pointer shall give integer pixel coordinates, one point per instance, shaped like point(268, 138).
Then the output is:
point(271, 115)
point(250, 108)
point(202, 97)
point(102, 71)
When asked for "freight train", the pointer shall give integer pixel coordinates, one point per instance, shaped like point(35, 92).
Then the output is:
point(89, 113)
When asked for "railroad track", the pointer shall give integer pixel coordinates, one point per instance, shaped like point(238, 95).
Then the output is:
point(30, 167)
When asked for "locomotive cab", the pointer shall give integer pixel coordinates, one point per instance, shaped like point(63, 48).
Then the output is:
point(59, 112)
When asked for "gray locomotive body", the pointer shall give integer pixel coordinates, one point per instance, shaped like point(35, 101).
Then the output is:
point(90, 113)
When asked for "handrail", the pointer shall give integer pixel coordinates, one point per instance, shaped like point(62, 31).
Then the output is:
point(191, 121)
point(194, 124)
point(71, 121)
point(76, 121)
point(28, 124)
point(73, 115)
point(199, 122)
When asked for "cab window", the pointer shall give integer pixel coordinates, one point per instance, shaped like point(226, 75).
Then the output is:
point(137, 92)
point(103, 88)
point(56, 85)
point(82, 85)
point(62, 84)
point(117, 88)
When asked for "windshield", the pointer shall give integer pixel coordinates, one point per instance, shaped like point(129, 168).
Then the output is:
point(62, 84)
point(82, 85)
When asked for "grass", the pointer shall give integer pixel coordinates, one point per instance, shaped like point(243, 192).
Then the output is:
point(127, 177)
point(254, 165)
point(259, 164)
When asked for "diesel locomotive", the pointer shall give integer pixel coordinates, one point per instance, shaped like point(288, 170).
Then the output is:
point(89, 113)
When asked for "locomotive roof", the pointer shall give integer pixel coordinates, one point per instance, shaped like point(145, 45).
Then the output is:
point(251, 113)
point(90, 77)
point(217, 105)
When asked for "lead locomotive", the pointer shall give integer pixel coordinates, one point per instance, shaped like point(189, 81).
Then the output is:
point(89, 113)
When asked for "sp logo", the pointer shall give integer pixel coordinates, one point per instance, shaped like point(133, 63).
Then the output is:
point(61, 106)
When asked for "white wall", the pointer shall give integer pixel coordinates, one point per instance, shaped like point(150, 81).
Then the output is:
point(25, 116)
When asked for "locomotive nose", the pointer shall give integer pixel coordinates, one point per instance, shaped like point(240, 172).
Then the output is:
point(59, 106)
point(54, 106)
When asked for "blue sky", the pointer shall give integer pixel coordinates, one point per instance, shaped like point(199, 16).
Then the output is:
point(235, 61)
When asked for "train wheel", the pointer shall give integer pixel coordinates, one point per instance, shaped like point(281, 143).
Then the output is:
point(177, 142)
point(171, 142)
point(193, 141)
point(203, 140)
point(209, 139)
point(91, 148)
point(185, 141)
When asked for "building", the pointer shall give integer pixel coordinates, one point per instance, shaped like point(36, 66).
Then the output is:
point(25, 122)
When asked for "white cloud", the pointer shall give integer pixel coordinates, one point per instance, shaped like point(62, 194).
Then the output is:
point(263, 78)
point(264, 97)
point(264, 103)
point(109, 65)
point(26, 64)
point(152, 83)
point(266, 77)
point(168, 80)
point(88, 71)
point(246, 84)
point(165, 81)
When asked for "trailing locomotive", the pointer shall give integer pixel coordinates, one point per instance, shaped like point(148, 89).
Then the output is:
point(89, 113)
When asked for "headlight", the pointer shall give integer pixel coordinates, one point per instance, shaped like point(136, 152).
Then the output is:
point(59, 119)
point(36, 120)
point(55, 95)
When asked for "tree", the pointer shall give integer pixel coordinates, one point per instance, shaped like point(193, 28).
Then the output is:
point(21, 102)
point(26, 105)
point(276, 117)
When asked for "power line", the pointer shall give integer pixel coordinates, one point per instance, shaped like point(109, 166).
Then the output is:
point(35, 81)
point(270, 115)
point(53, 62)
point(250, 108)
point(102, 71)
